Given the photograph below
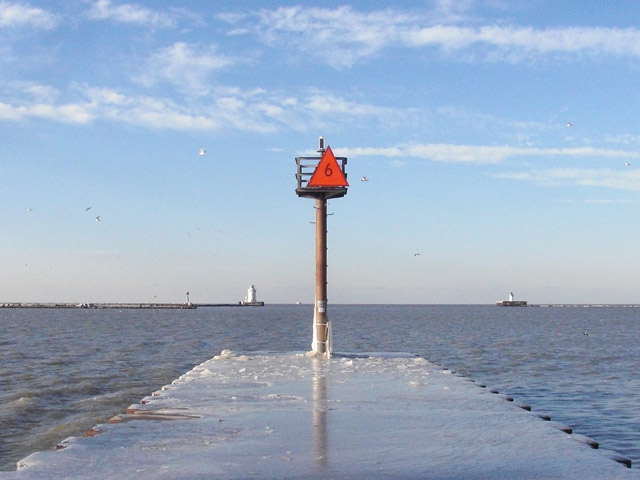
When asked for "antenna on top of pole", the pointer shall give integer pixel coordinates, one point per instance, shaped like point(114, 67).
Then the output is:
point(321, 148)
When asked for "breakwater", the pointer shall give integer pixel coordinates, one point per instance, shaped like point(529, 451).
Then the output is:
point(137, 306)
point(171, 306)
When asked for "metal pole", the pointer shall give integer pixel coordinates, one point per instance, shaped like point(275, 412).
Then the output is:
point(320, 312)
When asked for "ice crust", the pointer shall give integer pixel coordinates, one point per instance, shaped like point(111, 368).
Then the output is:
point(274, 415)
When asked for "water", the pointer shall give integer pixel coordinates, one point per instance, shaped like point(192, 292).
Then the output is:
point(64, 371)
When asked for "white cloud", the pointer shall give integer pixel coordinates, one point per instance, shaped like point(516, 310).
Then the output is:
point(327, 104)
point(256, 110)
point(37, 92)
point(186, 66)
point(609, 201)
point(624, 139)
point(168, 118)
point(623, 179)
point(106, 96)
point(339, 36)
point(18, 15)
point(102, 103)
point(148, 112)
point(482, 154)
point(453, 9)
point(66, 113)
point(343, 35)
point(129, 13)
point(596, 40)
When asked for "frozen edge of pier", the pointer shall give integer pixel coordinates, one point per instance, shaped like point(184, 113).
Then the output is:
point(292, 415)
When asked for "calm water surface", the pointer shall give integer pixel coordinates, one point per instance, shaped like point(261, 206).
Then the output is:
point(64, 371)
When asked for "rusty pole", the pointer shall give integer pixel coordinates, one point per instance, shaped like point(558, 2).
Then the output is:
point(321, 186)
point(320, 312)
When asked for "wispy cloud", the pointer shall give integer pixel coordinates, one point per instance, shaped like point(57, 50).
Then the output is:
point(256, 110)
point(130, 13)
point(322, 108)
point(589, 177)
point(610, 201)
point(453, 10)
point(339, 36)
point(15, 15)
point(594, 40)
point(623, 178)
point(148, 112)
point(482, 154)
point(186, 66)
point(624, 139)
point(344, 35)
point(34, 91)
point(66, 113)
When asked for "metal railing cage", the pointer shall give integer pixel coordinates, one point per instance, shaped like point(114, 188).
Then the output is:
point(305, 166)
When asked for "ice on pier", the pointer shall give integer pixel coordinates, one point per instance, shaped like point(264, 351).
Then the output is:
point(274, 415)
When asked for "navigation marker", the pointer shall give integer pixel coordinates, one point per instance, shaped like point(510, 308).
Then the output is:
point(328, 173)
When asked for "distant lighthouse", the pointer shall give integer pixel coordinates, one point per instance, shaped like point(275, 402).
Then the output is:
point(251, 295)
point(251, 300)
point(511, 302)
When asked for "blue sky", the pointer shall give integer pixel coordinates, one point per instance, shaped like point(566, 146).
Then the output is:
point(457, 112)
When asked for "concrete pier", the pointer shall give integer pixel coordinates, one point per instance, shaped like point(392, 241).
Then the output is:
point(291, 415)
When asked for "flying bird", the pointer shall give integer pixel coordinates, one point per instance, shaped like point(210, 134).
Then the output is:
point(87, 209)
point(202, 151)
point(627, 164)
point(98, 218)
point(364, 179)
point(416, 254)
point(569, 124)
point(29, 209)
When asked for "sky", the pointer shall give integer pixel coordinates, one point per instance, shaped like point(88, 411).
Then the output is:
point(500, 140)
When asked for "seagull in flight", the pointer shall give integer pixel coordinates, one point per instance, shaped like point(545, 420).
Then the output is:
point(627, 164)
point(98, 218)
point(202, 151)
point(87, 209)
point(416, 254)
point(29, 209)
point(364, 179)
point(569, 124)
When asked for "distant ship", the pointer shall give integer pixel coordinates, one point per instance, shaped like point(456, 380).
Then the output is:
point(511, 302)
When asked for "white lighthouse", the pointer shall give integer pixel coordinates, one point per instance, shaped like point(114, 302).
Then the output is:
point(251, 295)
point(250, 300)
point(511, 302)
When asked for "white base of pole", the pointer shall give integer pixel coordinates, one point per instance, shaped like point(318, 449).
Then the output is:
point(316, 346)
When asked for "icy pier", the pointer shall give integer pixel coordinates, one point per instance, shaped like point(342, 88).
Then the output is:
point(273, 415)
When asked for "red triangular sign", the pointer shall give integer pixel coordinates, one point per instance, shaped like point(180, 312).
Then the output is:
point(328, 173)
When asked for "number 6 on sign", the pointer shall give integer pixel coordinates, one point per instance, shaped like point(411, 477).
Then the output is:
point(324, 174)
